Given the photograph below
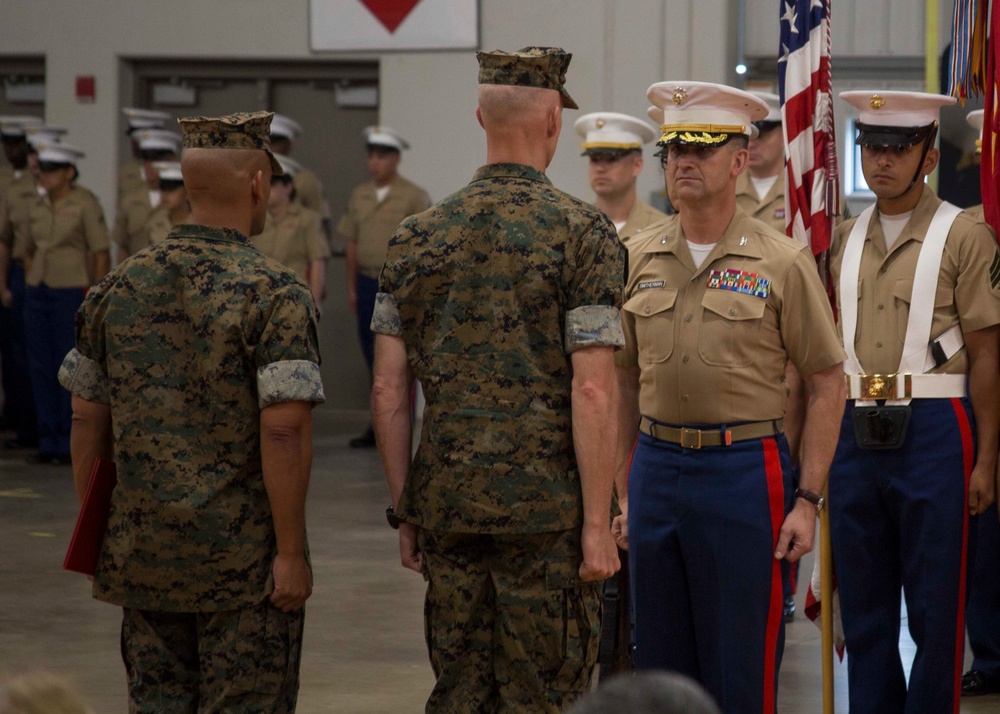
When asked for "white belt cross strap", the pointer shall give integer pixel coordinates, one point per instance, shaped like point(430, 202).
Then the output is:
point(919, 354)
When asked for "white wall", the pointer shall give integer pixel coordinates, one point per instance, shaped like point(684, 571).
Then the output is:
point(619, 47)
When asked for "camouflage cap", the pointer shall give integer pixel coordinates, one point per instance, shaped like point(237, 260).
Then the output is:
point(542, 67)
point(235, 131)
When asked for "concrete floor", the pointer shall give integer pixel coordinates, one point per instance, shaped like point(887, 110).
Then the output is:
point(364, 650)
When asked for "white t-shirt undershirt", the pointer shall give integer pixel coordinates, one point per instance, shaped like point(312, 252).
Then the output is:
point(381, 193)
point(763, 185)
point(154, 199)
point(619, 225)
point(892, 226)
point(699, 251)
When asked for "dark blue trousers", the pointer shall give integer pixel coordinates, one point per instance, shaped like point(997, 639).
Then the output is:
point(703, 525)
point(49, 315)
point(899, 520)
point(19, 404)
point(365, 291)
point(982, 617)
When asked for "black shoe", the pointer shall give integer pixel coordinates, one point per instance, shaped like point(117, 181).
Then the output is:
point(788, 612)
point(976, 683)
point(41, 457)
point(365, 441)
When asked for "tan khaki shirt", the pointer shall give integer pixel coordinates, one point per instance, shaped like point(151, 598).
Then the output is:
point(711, 344)
point(60, 238)
point(293, 239)
point(641, 217)
point(968, 286)
point(130, 229)
point(130, 178)
point(309, 193)
point(370, 223)
point(159, 225)
point(15, 219)
point(770, 209)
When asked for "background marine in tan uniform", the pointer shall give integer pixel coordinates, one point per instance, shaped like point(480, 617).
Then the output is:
point(131, 175)
point(196, 369)
point(613, 143)
point(291, 234)
point(131, 229)
point(503, 301)
point(174, 208)
point(66, 253)
point(716, 305)
point(17, 192)
point(374, 210)
point(765, 168)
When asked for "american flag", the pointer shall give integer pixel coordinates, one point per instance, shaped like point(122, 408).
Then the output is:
point(812, 197)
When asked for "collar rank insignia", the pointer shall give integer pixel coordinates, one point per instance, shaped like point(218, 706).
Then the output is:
point(739, 281)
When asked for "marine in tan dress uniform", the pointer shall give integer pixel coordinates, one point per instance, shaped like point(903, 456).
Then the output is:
point(174, 209)
point(130, 232)
point(308, 188)
point(613, 143)
point(131, 174)
point(67, 249)
point(760, 190)
point(716, 305)
point(374, 210)
point(291, 233)
point(16, 183)
point(918, 292)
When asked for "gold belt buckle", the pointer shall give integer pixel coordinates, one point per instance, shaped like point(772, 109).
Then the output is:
point(883, 386)
point(691, 438)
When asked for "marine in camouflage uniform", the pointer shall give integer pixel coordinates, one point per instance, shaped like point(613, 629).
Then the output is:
point(503, 301)
point(201, 536)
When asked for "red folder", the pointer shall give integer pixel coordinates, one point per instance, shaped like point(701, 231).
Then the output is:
point(91, 524)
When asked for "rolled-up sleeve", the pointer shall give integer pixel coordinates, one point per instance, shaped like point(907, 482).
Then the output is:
point(85, 377)
point(385, 318)
point(593, 326)
point(289, 381)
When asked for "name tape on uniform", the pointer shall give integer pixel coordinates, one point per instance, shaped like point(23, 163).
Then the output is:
point(650, 284)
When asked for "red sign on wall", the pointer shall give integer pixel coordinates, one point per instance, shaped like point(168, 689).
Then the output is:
point(390, 12)
point(379, 25)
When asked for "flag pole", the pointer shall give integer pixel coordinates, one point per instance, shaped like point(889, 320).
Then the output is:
point(826, 604)
point(931, 67)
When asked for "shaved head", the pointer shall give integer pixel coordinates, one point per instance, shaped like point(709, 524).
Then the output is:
point(228, 185)
point(503, 104)
point(522, 123)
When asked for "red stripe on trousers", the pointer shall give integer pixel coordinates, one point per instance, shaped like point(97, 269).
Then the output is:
point(965, 430)
point(628, 469)
point(776, 502)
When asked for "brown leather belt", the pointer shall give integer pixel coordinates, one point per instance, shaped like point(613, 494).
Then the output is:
point(697, 438)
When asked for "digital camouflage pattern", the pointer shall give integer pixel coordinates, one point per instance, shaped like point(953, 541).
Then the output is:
point(244, 130)
point(531, 643)
point(484, 286)
point(244, 660)
point(192, 337)
point(541, 67)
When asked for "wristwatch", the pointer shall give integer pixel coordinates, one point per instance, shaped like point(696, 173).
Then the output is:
point(394, 520)
point(813, 498)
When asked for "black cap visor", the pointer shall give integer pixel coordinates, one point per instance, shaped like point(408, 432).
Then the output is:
point(896, 137)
